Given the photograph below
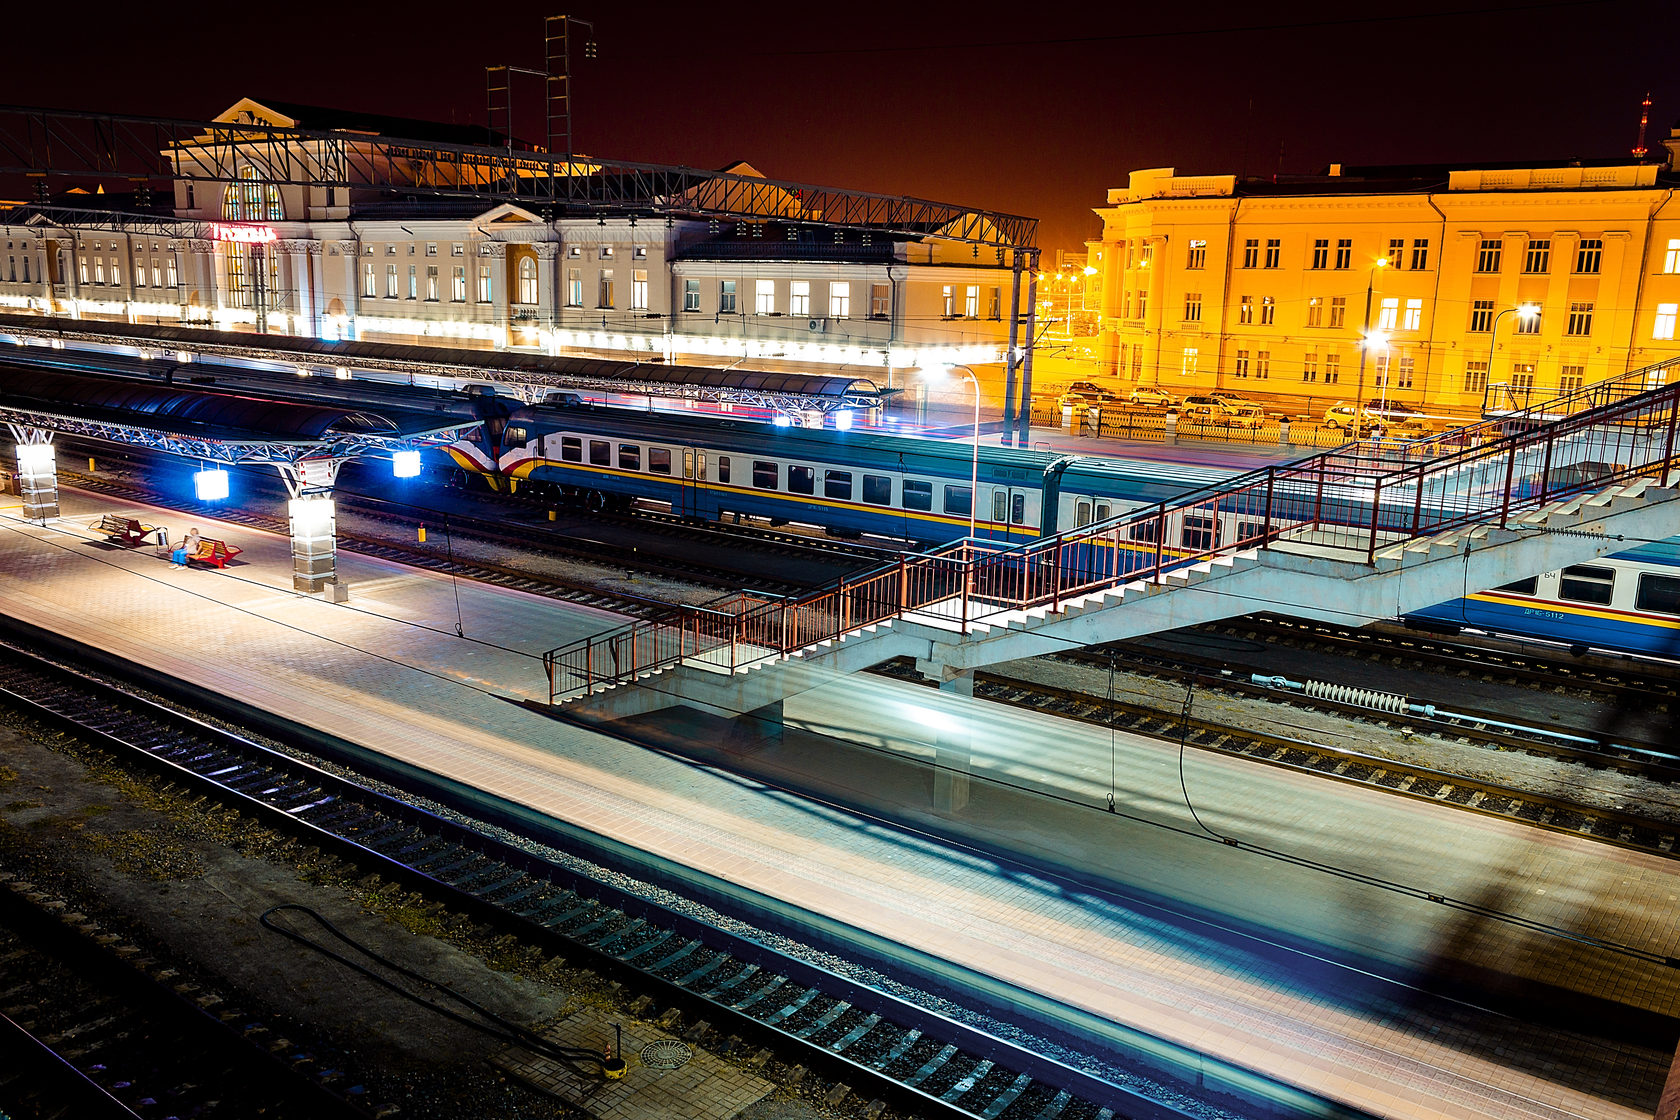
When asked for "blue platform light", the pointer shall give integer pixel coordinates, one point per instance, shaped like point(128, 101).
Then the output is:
point(782, 421)
point(405, 464)
point(211, 485)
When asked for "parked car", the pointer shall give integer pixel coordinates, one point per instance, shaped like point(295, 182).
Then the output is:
point(1244, 414)
point(1152, 396)
point(1089, 398)
point(1231, 412)
point(1339, 417)
point(1401, 422)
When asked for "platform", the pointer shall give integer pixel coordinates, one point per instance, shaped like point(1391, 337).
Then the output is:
point(1225, 950)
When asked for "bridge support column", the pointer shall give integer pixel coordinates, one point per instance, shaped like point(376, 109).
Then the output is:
point(953, 740)
point(757, 726)
point(37, 473)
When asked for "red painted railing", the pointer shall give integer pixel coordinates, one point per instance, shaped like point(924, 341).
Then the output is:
point(1351, 501)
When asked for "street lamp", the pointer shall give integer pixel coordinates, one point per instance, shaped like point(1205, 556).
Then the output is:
point(974, 460)
point(1364, 345)
point(1526, 312)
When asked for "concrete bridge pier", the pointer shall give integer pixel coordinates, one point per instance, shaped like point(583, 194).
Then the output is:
point(953, 739)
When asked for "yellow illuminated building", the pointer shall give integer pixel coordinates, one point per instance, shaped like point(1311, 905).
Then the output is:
point(1471, 287)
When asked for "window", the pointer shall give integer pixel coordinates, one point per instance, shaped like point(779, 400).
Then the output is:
point(1315, 311)
point(370, 282)
point(1580, 319)
point(457, 250)
point(458, 284)
point(249, 199)
point(431, 248)
point(726, 297)
point(1262, 365)
point(877, 489)
point(1589, 255)
point(723, 468)
point(1662, 327)
point(1570, 379)
point(659, 461)
point(1414, 315)
point(604, 289)
point(431, 283)
point(604, 253)
point(918, 495)
point(837, 485)
point(1475, 377)
point(1145, 531)
point(1251, 253)
point(1143, 303)
point(139, 273)
point(1528, 586)
point(639, 253)
point(629, 457)
point(1487, 256)
point(802, 480)
point(1338, 311)
point(574, 287)
point(1321, 253)
point(880, 305)
point(994, 304)
point(959, 501)
point(1420, 254)
point(116, 272)
point(413, 282)
point(1240, 370)
point(174, 277)
point(839, 300)
point(1309, 366)
point(1146, 253)
point(83, 269)
point(948, 301)
point(766, 304)
point(1671, 260)
point(1197, 257)
point(799, 298)
point(571, 449)
point(1187, 363)
point(600, 453)
point(1584, 584)
point(766, 475)
point(391, 249)
point(1268, 311)
point(1396, 252)
point(157, 279)
point(1657, 594)
point(1481, 316)
point(1192, 307)
point(1199, 532)
point(99, 270)
point(484, 291)
point(1529, 323)
point(971, 302)
point(528, 281)
point(691, 295)
point(1245, 310)
point(1538, 258)
point(1332, 369)
point(638, 289)
point(574, 251)
point(1344, 252)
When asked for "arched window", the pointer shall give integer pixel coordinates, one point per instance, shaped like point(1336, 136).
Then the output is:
point(249, 199)
point(527, 280)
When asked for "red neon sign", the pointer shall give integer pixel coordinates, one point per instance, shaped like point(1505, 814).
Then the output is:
point(249, 235)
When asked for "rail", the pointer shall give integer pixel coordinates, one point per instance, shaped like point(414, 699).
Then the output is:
point(1351, 501)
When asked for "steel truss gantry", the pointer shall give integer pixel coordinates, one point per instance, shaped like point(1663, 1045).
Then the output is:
point(139, 151)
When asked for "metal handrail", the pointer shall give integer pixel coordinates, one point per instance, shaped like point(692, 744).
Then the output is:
point(1354, 500)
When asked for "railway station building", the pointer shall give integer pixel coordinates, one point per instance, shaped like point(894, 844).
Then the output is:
point(325, 262)
point(1465, 288)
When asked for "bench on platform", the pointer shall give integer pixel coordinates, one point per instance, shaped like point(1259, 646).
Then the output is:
point(125, 530)
point(212, 551)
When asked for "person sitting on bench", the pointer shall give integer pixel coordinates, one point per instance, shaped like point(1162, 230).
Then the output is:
point(187, 549)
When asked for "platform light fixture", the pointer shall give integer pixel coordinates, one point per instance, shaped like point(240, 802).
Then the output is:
point(405, 464)
point(843, 419)
point(311, 515)
point(782, 421)
point(210, 484)
point(35, 458)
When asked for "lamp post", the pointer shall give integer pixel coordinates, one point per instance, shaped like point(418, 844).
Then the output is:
point(1364, 345)
point(1525, 312)
point(974, 459)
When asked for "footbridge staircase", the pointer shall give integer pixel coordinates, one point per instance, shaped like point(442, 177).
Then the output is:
point(1367, 531)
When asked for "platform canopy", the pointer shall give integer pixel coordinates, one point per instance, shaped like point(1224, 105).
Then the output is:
point(215, 425)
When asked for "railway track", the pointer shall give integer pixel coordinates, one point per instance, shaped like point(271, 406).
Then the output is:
point(700, 982)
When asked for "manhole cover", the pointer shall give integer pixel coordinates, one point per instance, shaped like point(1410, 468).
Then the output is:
point(667, 1053)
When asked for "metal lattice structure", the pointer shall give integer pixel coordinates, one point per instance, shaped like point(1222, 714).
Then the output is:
point(130, 150)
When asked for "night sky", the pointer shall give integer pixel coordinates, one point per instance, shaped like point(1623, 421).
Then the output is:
point(1037, 112)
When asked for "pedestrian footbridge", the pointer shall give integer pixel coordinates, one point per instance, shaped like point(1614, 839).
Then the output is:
point(1362, 532)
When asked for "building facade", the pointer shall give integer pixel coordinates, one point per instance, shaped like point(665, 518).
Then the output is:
point(1458, 289)
point(334, 263)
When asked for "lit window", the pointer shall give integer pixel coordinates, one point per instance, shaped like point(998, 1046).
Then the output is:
point(574, 287)
point(527, 281)
point(726, 297)
point(1187, 363)
point(1197, 257)
point(249, 199)
point(1192, 307)
point(391, 290)
point(1475, 377)
point(458, 285)
point(116, 272)
point(639, 253)
point(370, 282)
point(799, 298)
point(174, 278)
point(606, 253)
point(1589, 255)
point(638, 289)
point(604, 290)
point(880, 301)
point(1245, 310)
point(948, 301)
point(994, 304)
point(99, 270)
point(1671, 260)
point(157, 278)
point(1414, 315)
point(457, 250)
point(971, 302)
point(139, 273)
point(413, 282)
point(691, 295)
point(1528, 319)
point(431, 283)
point(1338, 311)
point(484, 290)
point(839, 300)
point(1663, 326)
point(1268, 311)
point(431, 248)
point(1315, 311)
point(765, 293)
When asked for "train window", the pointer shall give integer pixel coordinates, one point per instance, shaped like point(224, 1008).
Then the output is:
point(516, 437)
point(600, 453)
point(1000, 505)
point(1200, 532)
point(918, 495)
point(1658, 594)
point(1522, 587)
point(1146, 531)
point(1103, 512)
point(959, 500)
point(1587, 585)
point(659, 460)
point(723, 468)
point(877, 489)
point(1250, 530)
point(802, 480)
point(1081, 513)
point(766, 475)
point(1018, 510)
point(571, 449)
point(629, 457)
point(837, 484)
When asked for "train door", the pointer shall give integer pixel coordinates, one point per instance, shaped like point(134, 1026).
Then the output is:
point(1010, 509)
point(692, 502)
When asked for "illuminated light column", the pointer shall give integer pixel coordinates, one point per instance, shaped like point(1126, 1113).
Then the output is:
point(314, 526)
point(37, 473)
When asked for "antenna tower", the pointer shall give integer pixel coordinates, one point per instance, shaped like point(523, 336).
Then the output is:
point(1639, 149)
